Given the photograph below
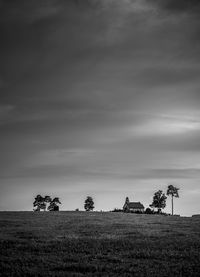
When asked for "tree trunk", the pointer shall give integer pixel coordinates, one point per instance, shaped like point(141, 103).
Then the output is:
point(172, 206)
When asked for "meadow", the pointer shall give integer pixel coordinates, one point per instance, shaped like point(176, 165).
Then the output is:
point(98, 244)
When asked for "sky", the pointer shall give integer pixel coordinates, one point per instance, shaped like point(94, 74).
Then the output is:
point(99, 98)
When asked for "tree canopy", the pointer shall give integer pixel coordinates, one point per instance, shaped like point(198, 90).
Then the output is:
point(53, 206)
point(40, 203)
point(159, 200)
point(173, 191)
point(89, 204)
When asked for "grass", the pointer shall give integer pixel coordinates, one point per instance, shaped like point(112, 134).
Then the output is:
point(98, 244)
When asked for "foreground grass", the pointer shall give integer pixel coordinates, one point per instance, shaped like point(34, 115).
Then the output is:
point(98, 244)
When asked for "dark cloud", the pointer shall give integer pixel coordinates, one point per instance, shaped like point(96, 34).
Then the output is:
point(81, 171)
point(170, 174)
point(179, 5)
point(117, 79)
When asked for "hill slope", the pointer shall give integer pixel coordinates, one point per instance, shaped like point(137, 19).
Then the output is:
point(98, 244)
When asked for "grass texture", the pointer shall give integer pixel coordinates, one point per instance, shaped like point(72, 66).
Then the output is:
point(98, 244)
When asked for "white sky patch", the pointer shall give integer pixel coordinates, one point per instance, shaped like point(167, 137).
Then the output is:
point(165, 126)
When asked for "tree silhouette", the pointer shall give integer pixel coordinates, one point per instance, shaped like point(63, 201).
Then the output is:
point(173, 191)
point(54, 204)
point(159, 200)
point(89, 204)
point(39, 203)
point(47, 199)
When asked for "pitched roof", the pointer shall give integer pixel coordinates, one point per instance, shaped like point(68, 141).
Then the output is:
point(135, 205)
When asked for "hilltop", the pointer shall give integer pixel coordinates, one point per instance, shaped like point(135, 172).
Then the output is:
point(98, 244)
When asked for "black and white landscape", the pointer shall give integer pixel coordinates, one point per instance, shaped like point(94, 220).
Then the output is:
point(99, 99)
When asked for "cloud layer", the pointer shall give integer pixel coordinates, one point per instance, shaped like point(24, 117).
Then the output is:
point(97, 93)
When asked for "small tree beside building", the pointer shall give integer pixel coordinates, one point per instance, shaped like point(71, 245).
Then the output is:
point(159, 201)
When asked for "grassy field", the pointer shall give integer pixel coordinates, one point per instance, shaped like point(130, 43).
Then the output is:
point(98, 244)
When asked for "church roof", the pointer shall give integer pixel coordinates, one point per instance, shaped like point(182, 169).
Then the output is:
point(135, 205)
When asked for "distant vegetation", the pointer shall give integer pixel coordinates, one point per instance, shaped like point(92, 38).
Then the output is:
point(46, 203)
point(173, 191)
point(89, 204)
point(158, 202)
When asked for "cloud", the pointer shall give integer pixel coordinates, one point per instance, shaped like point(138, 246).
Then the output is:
point(166, 126)
point(186, 173)
point(28, 12)
point(179, 5)
point(80, 171)
point(5, 111)
point(59, 157)
point(100, 90)
point(1, 83)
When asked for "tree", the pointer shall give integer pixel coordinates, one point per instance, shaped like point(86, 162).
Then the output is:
point(89, 204)
point(54, 204)
point(39, 203)
point(173, 191)
point(148, 211)
point(47, 199)
point(159, 200)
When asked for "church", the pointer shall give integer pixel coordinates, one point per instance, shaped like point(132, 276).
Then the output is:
point(133, 207)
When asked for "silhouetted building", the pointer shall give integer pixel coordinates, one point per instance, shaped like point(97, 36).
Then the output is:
point(134, 207)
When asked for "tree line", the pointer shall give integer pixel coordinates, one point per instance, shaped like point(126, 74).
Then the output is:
point(46, 203)
point(159, 198)
point(159, 201)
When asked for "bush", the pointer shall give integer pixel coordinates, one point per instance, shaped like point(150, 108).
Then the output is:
point(149, 211)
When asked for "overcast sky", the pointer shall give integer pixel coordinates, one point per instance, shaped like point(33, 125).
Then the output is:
point(99, 98)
